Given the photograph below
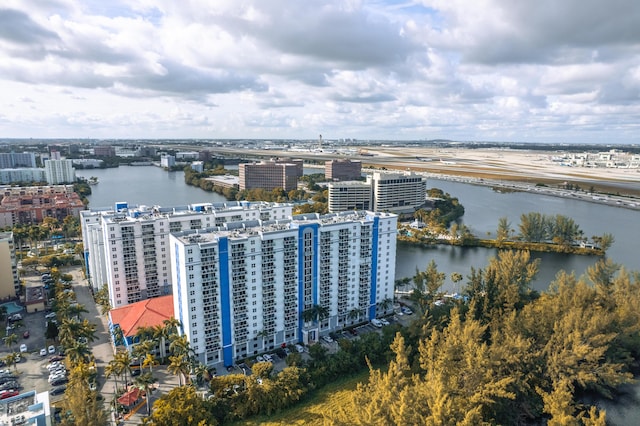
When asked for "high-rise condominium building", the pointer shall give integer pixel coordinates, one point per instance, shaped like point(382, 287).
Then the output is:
point(342, 170)
point(269, 175)
point(251, 287)
point(59, 171)
point(9, 282)
point(11, 160)
point(349, 195)
point(127, 249)
point(397, 193)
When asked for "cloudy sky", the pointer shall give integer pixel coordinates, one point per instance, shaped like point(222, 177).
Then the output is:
point(490, 70)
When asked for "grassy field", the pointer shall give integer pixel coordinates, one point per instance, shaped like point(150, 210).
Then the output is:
point(310, 412)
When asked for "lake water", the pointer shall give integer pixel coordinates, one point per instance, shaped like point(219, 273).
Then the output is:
point(483, 208)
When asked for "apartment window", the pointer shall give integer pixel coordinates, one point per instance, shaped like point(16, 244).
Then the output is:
point(193, 309)
point(195, 340)
point(189, 251)
point(115, 256)
point(194, 317)
point(118, 295)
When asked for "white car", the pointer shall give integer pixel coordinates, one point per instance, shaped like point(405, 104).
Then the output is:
point(52, 349)
point(43, 352)
point(50, 315)
point(259, 358)
point(327, 339)
point(23, 348)
point(267, 357)
point(376, 322)
point(299, 348)
point(384, 321)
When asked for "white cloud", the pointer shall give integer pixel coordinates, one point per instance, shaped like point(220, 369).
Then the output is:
point(384, 69)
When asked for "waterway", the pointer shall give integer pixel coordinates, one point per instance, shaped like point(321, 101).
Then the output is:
point(483, 207)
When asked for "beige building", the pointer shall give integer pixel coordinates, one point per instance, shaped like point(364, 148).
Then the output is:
point(9, 282)
point(341, 170)
point(268, 175)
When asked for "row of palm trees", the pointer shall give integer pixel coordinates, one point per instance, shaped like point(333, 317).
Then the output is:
point(149, 342)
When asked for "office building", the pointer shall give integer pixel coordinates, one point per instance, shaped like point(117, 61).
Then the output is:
point(350, 195)
point(269, 175)
point(104, 151)
point(250, 287)
point(127, 248)
point(9, 281)
point(340, 170)
point(397, 193)
point(59, 171)
point(14, 160)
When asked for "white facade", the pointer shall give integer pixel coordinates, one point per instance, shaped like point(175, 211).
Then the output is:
point(167, 161)
point(22, 175)
point(397, 193)
point(349, 195)
point(59, 171)
point(242, 289)
point(127, 249)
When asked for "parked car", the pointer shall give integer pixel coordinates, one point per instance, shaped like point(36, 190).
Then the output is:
point(8, 394)
point(52, 349)
point(259, 358)
point(327, 339)
point(23, 348)
point(25, 335)
point(299, 348)
point(406, 311)
point(58, 382)
point(384, 321)
point(353, 331)
point(58, 391)
point(43, 352)
point(10, 385)
point(50, 315)
point(376, 322)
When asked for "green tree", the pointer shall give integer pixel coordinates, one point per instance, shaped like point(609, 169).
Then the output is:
point(504, 228)
point(181, 406)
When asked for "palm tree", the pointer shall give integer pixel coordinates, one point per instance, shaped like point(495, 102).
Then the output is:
point(123, 359)
point(315, 313)
point(77, 352)
point(149, 361)
point(354, 314)
point(201, 372)
point(179, 346)
point(113, 369)
point(172, 325)
point(179, 366)
point(385, 304)
point(144, 382)
point(10, 360)
point(10, 340)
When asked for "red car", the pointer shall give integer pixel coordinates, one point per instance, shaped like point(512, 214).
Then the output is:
point(8, 394)
point(25, 334)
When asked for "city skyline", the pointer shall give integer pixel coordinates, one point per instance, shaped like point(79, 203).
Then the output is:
point(382, 69)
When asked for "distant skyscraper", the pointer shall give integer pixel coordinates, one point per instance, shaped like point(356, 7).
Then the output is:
point(268, 175)
point(337, 170)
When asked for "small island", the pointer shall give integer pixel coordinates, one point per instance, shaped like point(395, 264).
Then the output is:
point(536, 231)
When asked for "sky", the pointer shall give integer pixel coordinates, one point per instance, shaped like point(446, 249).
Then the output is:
point(556, 71)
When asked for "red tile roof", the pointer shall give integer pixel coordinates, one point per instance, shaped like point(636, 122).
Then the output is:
point(146, 313)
